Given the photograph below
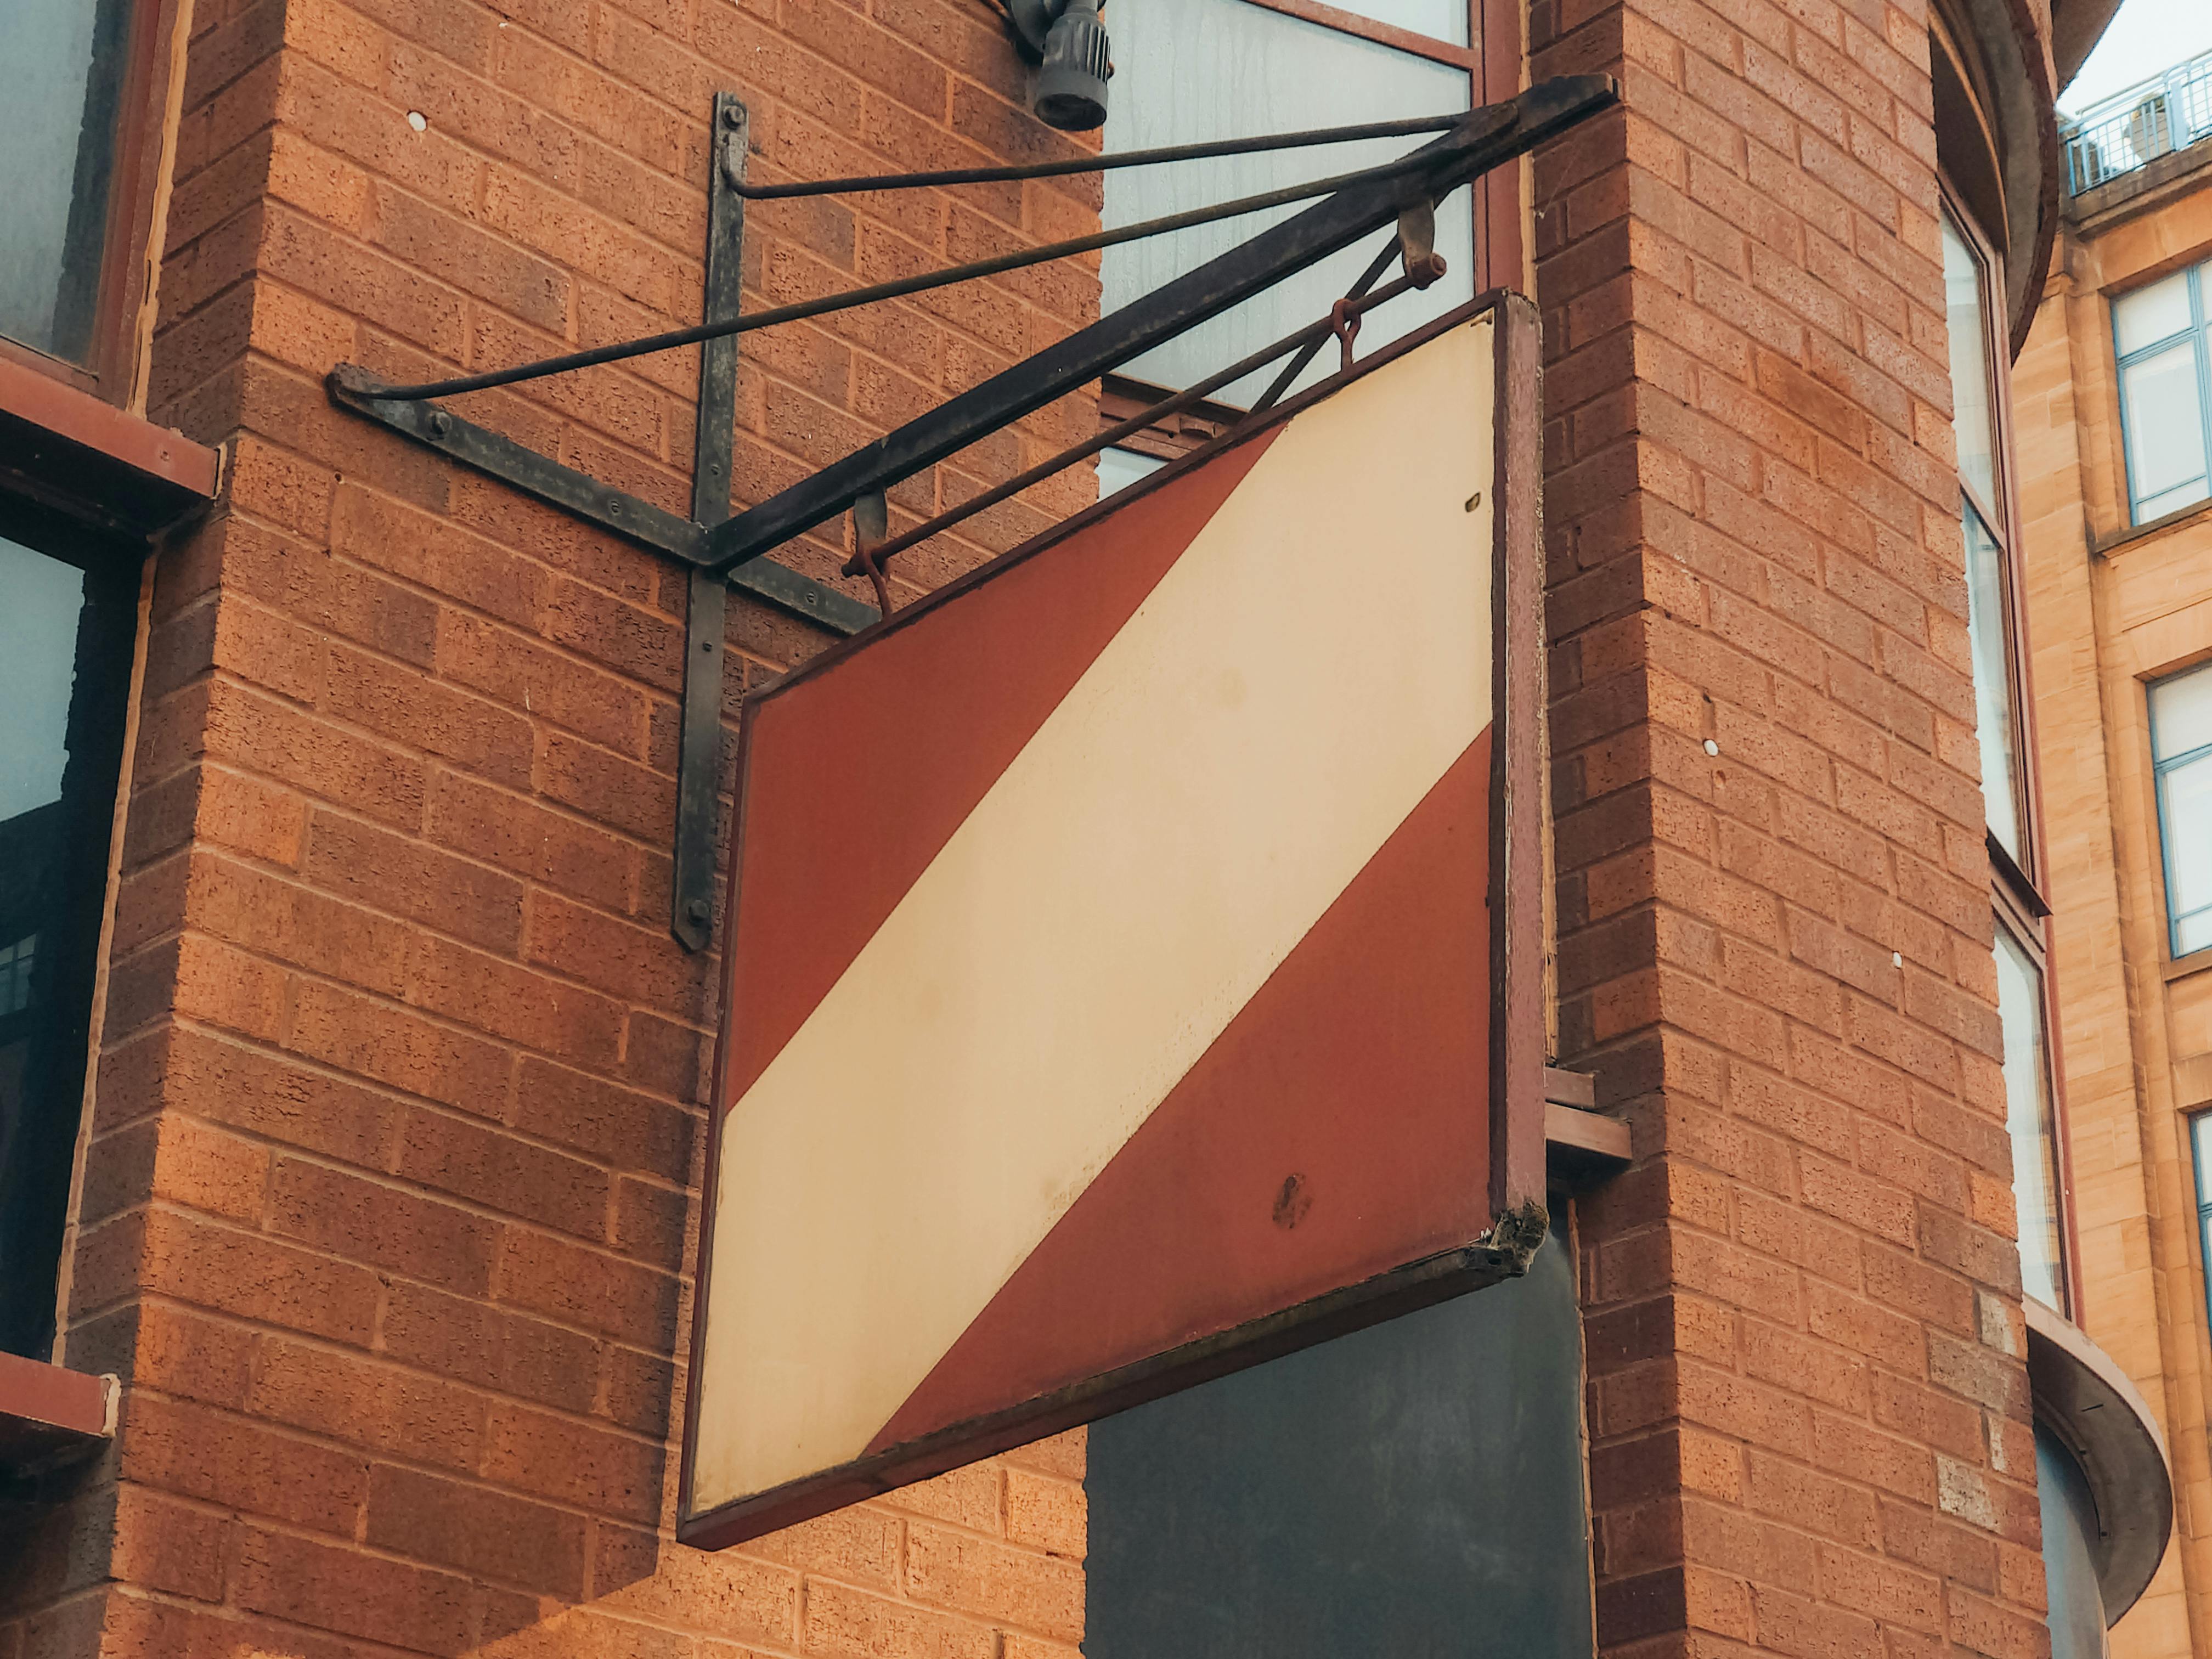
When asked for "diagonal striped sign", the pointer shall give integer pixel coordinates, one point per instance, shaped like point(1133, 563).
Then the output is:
point(1133, 950)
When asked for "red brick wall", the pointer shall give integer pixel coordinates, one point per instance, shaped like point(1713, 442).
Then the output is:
point(1808, 1412)
point(390, 1207)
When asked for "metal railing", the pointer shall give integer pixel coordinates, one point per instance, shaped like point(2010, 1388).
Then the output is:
point(2134, 128)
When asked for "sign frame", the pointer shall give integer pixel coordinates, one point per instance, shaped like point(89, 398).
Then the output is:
point(1519, 977)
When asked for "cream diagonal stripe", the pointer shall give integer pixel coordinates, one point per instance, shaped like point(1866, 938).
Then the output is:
point(1291, 689)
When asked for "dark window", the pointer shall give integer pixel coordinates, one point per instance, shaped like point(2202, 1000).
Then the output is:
point(62, 89)
point(67, 614)
point(1415, 1490)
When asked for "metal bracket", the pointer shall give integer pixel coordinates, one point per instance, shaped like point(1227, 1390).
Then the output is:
point(691, 903)
point(723, 550)
point(686, 540)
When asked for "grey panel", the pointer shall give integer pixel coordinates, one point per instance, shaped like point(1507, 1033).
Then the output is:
point(1415, 1489)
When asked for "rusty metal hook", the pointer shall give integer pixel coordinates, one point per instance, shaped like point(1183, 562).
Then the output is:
point(1344, 323)
point(871, 525)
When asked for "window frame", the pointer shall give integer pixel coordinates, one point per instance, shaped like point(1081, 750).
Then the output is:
point(2201, 342)
point(72, 943)
point(112, 369)
point(2019, 907)
point(2001, 519)
point(2159, 768)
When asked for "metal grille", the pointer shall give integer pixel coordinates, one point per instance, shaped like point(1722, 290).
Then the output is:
point(2134, 128)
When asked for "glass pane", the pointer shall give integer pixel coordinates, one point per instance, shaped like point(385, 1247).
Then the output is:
point(61, 66)
point(1987, 628)
point(2193, 934)
point(1196, 69)
point(65, 667)
point(2173, 501)
point(2027, 1120)
point(1970, 364)
point(2165, 428)
point(2186, 824)
point(2199, 1135)
point(1120, 468)
point(2151, 314)
point(2181, 714)
point(1444, 19)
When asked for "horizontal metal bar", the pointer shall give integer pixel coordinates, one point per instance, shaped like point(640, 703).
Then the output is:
point(900, 289)
point(1133, 158)
point(1106, 440)
point(1484, 139)
point(613, 510)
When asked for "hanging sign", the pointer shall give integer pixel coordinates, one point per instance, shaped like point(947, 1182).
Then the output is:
point(1135, 950)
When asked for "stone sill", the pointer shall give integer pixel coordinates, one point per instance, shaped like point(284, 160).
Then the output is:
point(2105, 546)
point(2195, 961)
point(50, 1416)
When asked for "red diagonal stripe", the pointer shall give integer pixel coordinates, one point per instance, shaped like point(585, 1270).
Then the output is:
point(855, 781)
point(1338, 1128)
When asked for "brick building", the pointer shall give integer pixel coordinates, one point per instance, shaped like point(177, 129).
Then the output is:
point(354, 1083)
point(2119, 567)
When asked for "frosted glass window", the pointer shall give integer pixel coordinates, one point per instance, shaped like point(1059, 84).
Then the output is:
point(2159, 335)
point(1966, 304)
point(1190, 71)
point(2181, 747)
point(2151, 314)
point(1987, 634)
point(1120, 468)
point(1444, 19)
point(61, 73)
point(2027, 1121)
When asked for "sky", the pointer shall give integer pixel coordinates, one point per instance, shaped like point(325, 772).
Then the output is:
point(2146, 38)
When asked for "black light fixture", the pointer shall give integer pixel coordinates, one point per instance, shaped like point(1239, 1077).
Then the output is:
point(1067, 42)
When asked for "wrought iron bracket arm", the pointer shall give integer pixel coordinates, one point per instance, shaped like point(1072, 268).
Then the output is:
point(1487, 138)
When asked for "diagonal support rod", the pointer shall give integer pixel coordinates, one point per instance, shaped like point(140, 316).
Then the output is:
point(1484, 138)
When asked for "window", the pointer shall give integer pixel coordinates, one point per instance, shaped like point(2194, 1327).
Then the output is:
point(2181, 750)
point(1989, 621)
point(2022, 1010)
point(1199, 70)
point(2166, 377)
point(80, 97)
point(66, 631)
point(1988, 526)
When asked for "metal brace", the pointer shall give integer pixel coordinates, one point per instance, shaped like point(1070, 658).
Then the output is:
point(641, 523)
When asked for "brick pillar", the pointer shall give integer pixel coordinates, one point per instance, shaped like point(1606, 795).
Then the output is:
point(1808, 1412)
point(391, 1201)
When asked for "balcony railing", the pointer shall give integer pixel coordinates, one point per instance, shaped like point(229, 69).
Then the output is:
point(2132, 129)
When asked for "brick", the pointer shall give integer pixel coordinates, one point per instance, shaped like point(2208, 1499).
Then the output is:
point(979, 1575)
point(454, 1523)
point(470, 1342)
point(334, 1588)
point(380, 1407)
point(222, 1458)
point(588, 1467)
point(585, 1287)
